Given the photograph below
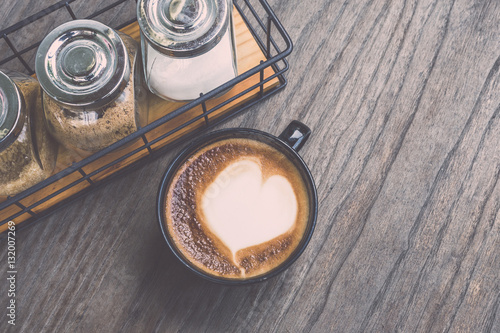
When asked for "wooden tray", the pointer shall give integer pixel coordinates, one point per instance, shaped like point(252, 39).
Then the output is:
point(249, 56)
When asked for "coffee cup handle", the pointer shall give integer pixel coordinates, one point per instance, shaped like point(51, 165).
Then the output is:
point(295, 134)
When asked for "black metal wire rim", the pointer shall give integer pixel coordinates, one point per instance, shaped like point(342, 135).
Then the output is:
point(140, 162)
point(78, 167)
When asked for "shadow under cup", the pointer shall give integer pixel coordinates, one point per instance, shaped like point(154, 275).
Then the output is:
point(288, 143)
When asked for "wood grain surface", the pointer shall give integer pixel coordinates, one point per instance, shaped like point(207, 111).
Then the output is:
point(403, 101)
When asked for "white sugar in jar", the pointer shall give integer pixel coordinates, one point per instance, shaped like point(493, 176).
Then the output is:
point(188, 46)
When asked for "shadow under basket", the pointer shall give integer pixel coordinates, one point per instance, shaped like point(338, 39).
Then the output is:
point(262, 47)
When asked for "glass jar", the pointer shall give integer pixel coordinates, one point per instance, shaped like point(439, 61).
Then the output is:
point(94, 94)
point(27, 152)
point(188, 46)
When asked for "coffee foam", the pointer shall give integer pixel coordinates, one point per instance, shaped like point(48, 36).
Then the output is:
point(243, 211)
point(206, 195)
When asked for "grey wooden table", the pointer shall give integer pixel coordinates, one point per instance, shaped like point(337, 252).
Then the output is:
point(403, 98)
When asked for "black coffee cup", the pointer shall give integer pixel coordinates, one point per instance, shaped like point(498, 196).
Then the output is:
point(289, 142)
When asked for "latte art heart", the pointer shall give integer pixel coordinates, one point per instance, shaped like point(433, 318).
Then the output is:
point(242, 209)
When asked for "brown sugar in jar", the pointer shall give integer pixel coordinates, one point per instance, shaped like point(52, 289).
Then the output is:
point(27, 152)
point(96, 95)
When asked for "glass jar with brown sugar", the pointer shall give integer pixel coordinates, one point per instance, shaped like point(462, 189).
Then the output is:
point(94, 94)
point(27, 152)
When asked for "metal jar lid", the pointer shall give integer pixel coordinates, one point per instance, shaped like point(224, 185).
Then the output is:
point(82, 63)
point(183, 28)
point(11, 111)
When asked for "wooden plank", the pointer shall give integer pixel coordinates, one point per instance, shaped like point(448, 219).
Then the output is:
point(403, 101)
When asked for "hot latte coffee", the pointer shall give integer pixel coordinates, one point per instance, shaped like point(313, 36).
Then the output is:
point(236, 208)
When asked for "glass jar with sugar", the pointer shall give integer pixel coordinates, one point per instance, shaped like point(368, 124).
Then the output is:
point(94, 94)
point(27, 152)
point(188, 46)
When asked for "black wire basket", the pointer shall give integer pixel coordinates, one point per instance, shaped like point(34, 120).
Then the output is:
point(271, 38)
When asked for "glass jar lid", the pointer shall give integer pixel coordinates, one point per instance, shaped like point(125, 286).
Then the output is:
point(82, 63)
point(183, 28)
point(11, 110)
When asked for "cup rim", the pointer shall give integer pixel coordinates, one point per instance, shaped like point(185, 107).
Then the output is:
point(192, 148)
